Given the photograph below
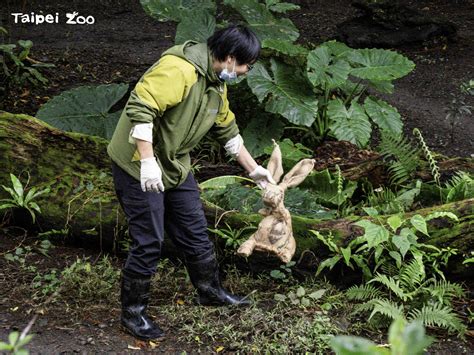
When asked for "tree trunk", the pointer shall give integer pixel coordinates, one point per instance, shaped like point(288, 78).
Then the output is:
point(82, 201)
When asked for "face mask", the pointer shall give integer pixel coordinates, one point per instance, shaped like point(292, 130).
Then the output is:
point(226, 76)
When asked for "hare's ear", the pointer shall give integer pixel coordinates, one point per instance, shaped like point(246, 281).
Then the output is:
point(275, 166)
point(299, 172)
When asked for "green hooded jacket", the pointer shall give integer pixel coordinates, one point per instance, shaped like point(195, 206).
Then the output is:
point(184, 99)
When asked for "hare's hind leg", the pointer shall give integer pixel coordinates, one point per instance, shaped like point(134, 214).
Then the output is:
point(287, 253)
point(247, 247)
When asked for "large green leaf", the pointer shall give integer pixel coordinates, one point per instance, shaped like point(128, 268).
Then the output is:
point(260, 131)
point(304, 203)
point(176, 10)
point(85, 109)
point(198, 26)
point(351, 345)
point(285, 47)
point(379, 64)
point(374, 233)
point(384, 115)
point(221, 182)
point(262, 21)
point(281, 7)
point(384, 86)
point(337, 49)
point(350, 124)
point(419, 223)
point(402, 243)
point(326, 70)
point(408, 338)
point(289, 93)
point(351, 89)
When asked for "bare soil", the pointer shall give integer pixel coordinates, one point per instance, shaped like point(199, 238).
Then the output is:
point(118, 48)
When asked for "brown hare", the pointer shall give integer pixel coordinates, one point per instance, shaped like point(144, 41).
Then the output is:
point(275, 233)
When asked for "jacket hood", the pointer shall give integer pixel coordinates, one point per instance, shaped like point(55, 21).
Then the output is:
point(197, 54)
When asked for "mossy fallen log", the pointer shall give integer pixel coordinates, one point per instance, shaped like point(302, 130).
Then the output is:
point(74, 166)
point(443, 232)
point(82, 201)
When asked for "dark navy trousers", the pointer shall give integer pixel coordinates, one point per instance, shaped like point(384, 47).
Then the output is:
point(179, 211)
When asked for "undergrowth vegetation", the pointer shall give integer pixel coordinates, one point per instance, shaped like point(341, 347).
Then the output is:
point(18, 69)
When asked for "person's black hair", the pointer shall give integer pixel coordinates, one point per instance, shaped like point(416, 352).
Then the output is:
point(237, 41)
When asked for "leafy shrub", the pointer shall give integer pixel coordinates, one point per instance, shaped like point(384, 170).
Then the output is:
point(322, 96)
point(18, 68)
point(16, 343)
point(410, 293)
point(381, 245)
point(86, 282)
point(284, 272)
point(386, 201)
point(300, 297)
point(46, 284)
point(233, 237)
point(22, 199)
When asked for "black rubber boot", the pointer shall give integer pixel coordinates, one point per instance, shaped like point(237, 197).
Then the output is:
point(134, 298)
point(204, 274)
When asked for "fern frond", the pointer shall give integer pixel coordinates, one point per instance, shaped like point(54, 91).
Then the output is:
point(440, 316)
point(368, 306)
point(458, 178)
point(386, 201)
point(389, 269)
point(412, 275)
point(363, 292)
point(364, 307)
point(392, 285)
point(429, 156)
point(444, 291)
point(460, 187)
point(405, 158)
point(386, 308)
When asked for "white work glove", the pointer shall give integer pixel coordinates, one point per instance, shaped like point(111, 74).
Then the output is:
point(262, 177)
point(150, 175)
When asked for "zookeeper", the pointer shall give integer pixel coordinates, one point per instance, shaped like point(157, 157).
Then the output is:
point(180, 99)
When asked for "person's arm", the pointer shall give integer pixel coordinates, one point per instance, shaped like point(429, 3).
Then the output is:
point(245, 160)
point(226, 132)
point(144, 148)
point(256, 172)
point(163, 87)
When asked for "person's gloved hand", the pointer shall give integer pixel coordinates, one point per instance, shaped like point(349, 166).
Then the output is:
point(150, 175)
point(261, 176)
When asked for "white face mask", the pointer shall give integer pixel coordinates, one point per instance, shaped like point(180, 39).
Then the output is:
point(226, 76)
